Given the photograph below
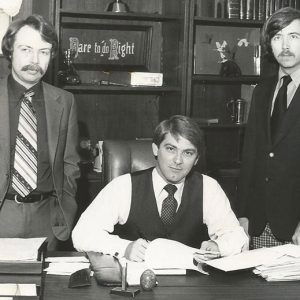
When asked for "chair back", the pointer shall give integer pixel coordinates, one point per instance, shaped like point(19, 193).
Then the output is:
point(126, 156)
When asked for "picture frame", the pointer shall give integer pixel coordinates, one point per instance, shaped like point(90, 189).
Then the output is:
point(214, 44)
point(109, 47)
point(5, 20)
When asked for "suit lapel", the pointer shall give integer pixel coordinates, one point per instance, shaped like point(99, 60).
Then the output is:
point(54, 111)
point(265, 104)
point(5, 129)
point(291, 116)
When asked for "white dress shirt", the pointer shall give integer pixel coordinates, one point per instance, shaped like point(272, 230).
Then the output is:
point(291, 88)
point(112, 206)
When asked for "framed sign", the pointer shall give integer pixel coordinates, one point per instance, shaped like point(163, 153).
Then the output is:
point(113, 47)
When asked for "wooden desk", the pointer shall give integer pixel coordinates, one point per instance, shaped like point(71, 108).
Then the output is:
point(242, 285)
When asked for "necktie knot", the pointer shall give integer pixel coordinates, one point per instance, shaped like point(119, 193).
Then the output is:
point(171, 189)
point(28, 94)
point(286, 80)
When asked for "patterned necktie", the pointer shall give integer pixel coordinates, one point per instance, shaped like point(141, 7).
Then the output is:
point(280, 106)
point(169, 205)
point(24, 178)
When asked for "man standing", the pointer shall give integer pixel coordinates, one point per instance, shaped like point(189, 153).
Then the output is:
point(39, 163)
point(269, 189)
point(169, 201)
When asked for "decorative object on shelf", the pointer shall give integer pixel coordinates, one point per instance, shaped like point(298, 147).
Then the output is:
point(117, 6)
point(236, 107)
point(69, 75)
point(229, 68)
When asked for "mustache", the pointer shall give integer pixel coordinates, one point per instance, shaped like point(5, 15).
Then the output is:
point(33, 67)
point(286, 53)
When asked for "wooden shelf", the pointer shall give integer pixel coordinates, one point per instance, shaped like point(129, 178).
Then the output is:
point(222, 126)
point(228, 22)
point(119, 16)
point(113, 89)
point(216, 78)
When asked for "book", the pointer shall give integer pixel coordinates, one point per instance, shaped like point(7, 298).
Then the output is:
point(22, 256)
point(233, 9)
point(243, 9)
point(261, 9)
point(277, 4)
point(249, 9)
point(267, 10)
point(255, 9)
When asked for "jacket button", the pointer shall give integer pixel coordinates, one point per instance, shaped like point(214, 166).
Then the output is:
point(267, 179)
point(271, 154)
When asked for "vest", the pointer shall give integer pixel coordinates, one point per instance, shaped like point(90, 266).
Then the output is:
point(144, 220)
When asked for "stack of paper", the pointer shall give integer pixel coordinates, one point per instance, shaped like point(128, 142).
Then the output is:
point(66, 265)
point(17, 249)
point(280, 263)
point(284, 268)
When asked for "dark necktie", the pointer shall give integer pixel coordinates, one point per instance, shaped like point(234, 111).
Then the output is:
point(24, 178)
point(280, 106)
point(169, 205)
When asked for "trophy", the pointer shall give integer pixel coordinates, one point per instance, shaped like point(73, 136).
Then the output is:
point(69, 75)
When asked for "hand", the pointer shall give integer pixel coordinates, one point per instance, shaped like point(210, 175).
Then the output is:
point(135, 251)
point(296, 235)
point(210, 246)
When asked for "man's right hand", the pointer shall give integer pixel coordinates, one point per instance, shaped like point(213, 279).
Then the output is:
point(135, 251)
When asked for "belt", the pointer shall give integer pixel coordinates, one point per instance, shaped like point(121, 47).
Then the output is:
point(31, 198)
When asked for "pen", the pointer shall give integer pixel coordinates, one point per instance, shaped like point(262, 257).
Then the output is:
point(141, 234)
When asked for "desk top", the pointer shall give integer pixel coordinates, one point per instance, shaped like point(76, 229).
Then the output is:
point(194, 286)
point(219, 285)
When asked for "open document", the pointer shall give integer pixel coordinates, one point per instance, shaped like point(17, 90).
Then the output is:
point(164, 257)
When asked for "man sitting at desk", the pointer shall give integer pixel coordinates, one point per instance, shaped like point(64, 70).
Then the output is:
point(169, 201)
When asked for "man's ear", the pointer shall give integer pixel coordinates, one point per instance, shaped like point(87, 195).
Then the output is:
point(154, 149)
point(196, 161)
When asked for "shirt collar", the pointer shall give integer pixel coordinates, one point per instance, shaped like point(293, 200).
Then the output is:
point(18, 89)
point(295, 76)
point(159, 183)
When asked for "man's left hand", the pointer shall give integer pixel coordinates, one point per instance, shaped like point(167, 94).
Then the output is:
point(212, 248)
point(296, 236)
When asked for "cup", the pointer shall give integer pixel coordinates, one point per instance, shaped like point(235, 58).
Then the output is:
point(236, 107)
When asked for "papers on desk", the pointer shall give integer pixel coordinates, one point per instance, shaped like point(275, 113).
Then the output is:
point(284, 268)
point(66, 265)
point(17, 249)
point(274, 264)
point(14, 289)
point(164, 257)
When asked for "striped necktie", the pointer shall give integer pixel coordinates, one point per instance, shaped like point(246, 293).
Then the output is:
point(24, 179)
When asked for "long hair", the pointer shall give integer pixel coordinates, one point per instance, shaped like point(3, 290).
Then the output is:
point(38, 23)
point(277, 21)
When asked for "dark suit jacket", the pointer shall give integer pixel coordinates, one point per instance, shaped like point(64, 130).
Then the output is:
point(62, 130)
point(269, 189)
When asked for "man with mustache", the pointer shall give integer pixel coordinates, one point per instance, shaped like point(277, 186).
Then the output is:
point(170, 201)
point(269, 189)
point(39, 163)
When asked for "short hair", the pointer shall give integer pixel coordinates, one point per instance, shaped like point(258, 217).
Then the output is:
point(36, 22)
point(276, 22)
point(180, 126)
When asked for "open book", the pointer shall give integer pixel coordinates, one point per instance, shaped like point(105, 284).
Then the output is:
point(164, 257)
